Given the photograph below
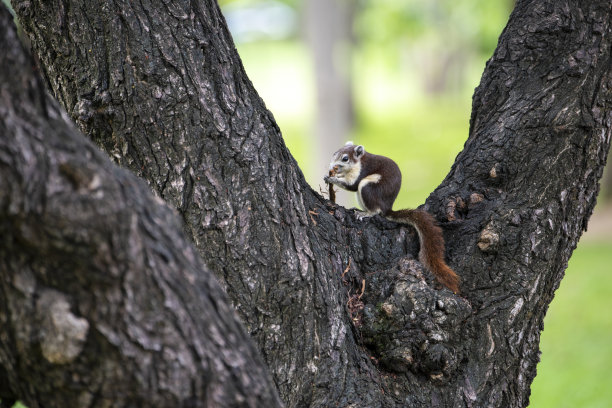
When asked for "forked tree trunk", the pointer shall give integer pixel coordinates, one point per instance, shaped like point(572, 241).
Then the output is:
point(341, 312)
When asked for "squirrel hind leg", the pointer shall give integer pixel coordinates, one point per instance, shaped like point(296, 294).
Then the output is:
point(362, 215)
point(371, 197)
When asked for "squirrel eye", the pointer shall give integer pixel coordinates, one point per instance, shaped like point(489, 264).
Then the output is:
point(345, 158)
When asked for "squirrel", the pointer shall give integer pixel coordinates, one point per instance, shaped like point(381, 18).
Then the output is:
point(377, 180)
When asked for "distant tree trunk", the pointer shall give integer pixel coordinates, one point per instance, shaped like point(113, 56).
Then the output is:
point(441, 64)
point(329, 29)
point(341, 312)
point(607, 182)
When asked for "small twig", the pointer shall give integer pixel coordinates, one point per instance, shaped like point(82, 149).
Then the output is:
point(332, 193)
point(311, 216)
point(346, 269)
point(362, 289)
point(355, 306)
point(330, 186)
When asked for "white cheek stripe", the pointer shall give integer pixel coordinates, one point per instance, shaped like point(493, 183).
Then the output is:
point(372, 178)
point(352, 175)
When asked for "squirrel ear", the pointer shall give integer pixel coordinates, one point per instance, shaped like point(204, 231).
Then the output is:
point(349, 143)
point(359, 151)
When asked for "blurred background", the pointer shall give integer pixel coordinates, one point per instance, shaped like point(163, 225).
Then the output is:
point(398, 76)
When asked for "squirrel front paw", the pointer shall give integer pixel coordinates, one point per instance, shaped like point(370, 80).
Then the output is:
point(331, 179)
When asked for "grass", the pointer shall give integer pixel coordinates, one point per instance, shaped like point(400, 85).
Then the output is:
point(576, 343)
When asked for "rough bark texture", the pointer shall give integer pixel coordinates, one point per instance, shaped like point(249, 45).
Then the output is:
point(102, 300)
point(521, 192)
point(342, 313)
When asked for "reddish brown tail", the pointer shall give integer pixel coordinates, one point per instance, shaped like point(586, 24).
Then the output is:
point(432, 244)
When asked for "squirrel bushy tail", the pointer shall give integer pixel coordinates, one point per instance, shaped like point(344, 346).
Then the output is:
point(431, 254)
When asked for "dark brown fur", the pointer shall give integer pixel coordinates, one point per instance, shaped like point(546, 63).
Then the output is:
point(379, 196)
point(381, 181)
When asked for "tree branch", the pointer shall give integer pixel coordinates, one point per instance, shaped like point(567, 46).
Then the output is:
point(521, 192)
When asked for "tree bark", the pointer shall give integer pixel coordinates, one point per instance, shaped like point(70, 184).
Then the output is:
point(341, 312)
point(103, 301)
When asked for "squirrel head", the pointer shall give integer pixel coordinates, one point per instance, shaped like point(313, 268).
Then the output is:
point(346, 162)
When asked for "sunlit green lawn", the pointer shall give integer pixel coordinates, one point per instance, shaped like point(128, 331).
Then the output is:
point(424, 135)
point(576, 344)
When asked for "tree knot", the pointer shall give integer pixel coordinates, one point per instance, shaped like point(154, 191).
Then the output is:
point(62, 334)
point(410, 326)
point(488, 241)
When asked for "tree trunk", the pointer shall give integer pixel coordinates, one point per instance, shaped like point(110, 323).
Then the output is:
point(341, 312)
point(103, 301)
point(329, 29)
